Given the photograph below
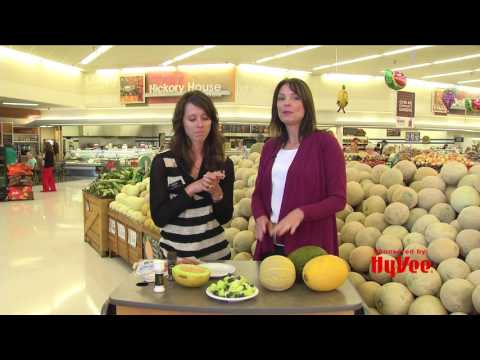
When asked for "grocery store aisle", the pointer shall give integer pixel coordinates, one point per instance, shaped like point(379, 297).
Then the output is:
point(45, 265)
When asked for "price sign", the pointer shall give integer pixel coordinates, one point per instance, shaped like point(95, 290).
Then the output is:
point(132, 238)
point(412, 136)
point(121, 231)
point(111, 226)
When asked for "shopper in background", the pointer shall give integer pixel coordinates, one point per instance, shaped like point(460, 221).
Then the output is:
point(301, 181)
point(243, 149)
point(370, 148)
point(31, 161)
point(354, 146)
point(48, 178)
point(191, 184)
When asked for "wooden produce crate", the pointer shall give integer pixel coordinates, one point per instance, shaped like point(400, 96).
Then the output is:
point(95, 216)
point(151, 244)
point(127, 242)
point(112, 233)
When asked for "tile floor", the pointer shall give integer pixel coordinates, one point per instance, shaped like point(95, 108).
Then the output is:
point(45, 265)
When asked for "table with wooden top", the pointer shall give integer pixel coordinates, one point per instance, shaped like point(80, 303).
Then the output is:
point(131, 299)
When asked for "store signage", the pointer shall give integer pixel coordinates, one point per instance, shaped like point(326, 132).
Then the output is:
point(132, 89)
point(393, 132)
point(401, 264)
point(112, 226)
point(132, 238)
point(457, 108)
point(459, 139)
point(412, 136)
point(121, 231)
point(405, 104)
point(168, 87)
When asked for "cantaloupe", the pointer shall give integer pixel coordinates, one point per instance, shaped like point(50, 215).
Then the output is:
point(355, 193)
point(453, 268)
point(242, 242)
point(463, 197)
point(378, 189)
point(401, 277)
point(468, 240)
point(442, 249)
point(344, 250)
point(245, 163)
point(456, 225)
point(388, 244)
point(429, 197)
point(416, 186)
point(427, 305)
point(392, 191)
point(381, 277)
point(233, 253)
point(473, 259)
point(424, 283)
point(352, 174)
point(355, 216)
point(449, 191)
point(396, 213)
point(360, 258)
point(434, 182)
point(253, 156)
point(367, 237)
point(372, 311)
point(277, 273)
point(421, 224)
point(251, 180)
point(253, 248)
point(325, 273)
point(251, 224)
point(395, 230)
point(423, 172)
point(243, 256)
point(374, 204)
point(456, 295)
point(367, 291)
point(345, 212)
point(474, 169)
point(356, 279)
point(248, 192)
point(257, 147)
point(393, 299)
point(190, 275)
point(238, 194)
point(476, 299)
point(468, 218)
point(452, 172)
point(444, 212)
point(416, 251)
point(405, 196)
point(415, 214)
point(413, 238)
point(230, 234)
point(366, 185)
point(407, 168)
point(474, 277)
point(377, 172)
point(350, 230)
point(469, 180)
point(440, 230)
point(245, 207)
point(340, 224)
point(363, 167)
point(391, 177)
point(240, 223)
point(238, 185)
point(376, 220)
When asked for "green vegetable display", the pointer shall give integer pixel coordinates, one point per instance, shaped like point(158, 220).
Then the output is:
point(110, 183)
point(232, 287)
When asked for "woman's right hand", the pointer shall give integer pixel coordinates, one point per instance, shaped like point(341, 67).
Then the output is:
point(262, 226)
point(196, 187)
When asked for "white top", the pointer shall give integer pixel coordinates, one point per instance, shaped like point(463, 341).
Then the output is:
point(279, 176)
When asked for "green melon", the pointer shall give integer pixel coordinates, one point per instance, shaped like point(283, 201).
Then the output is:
point(303, 255)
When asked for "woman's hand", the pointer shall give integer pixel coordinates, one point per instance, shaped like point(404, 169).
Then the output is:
point(196, 187)
point(289, 223)
point(262, 226)
point(212, 182)
point(192, 261)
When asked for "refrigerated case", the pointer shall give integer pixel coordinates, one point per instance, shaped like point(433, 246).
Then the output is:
point(3, 174)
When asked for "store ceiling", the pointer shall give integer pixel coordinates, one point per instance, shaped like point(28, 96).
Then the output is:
point(142, 56)
point(40, 105)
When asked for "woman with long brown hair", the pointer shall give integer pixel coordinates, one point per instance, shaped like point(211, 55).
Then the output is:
point(191, 184)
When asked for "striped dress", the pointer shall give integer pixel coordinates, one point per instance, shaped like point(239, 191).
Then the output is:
point(189, 226)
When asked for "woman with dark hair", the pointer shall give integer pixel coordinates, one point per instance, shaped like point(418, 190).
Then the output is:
point(48, 177)
point(191, 184)
point(301, 180)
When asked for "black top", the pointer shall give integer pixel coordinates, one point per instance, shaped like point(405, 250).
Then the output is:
point(190, 225)
point(49, 159)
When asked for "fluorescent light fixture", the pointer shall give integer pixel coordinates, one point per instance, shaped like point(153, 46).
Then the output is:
point(447, 74)
point(271, 70)
point(348, 77)
point(20, 104)
point(188, 54)
point(456, 59)
point(99, 51)
point(287, 53)
point(411, 67)
point(37, 60)
point(468, 81)
point(204, 66)
point(363, 58)
point(404, 50)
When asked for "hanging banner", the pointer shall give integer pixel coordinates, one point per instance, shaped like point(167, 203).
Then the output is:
point(458, 105)
point(405, 109)
point(168, 87)
point(132, 89)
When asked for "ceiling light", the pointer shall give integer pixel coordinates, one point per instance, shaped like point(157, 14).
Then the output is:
point(404, 50)
point(447, 74)
point(364, 58)
point(348, 77)
point(20, 104)
point(456, 59)
point(204, 66)
point(288, 53)
point(468, 81)
point(412, 66)
point(188, 54)
point(270, 70)
point(99, 51)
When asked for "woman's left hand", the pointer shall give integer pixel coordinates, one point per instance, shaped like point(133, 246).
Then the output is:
point(289, 223)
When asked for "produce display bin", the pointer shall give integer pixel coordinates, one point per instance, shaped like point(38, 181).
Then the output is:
point(95, 215)
point(125, 237)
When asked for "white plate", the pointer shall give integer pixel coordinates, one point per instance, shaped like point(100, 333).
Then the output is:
point(209, 294)
point(218, 269)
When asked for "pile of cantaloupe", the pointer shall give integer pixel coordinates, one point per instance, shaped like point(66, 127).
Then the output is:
point(434, 215)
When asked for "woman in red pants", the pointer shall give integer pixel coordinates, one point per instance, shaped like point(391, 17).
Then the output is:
point(48, 177)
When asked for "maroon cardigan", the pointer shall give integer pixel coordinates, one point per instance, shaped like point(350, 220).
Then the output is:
point(316, 183)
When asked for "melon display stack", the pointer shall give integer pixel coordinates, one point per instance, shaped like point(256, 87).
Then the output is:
point(420, 213)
